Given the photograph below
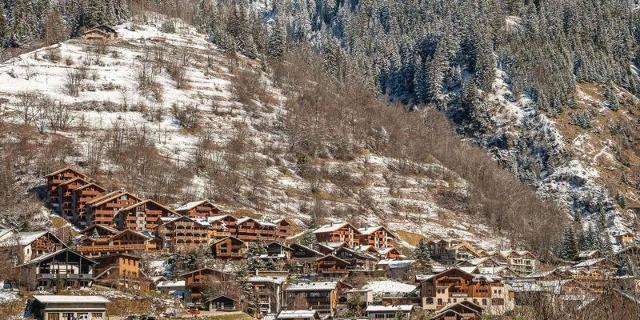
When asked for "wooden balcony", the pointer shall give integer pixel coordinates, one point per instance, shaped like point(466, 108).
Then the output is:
point(116, 248)
point(70, 276)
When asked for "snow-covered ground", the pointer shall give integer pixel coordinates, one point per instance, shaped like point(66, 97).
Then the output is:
point(110, 95)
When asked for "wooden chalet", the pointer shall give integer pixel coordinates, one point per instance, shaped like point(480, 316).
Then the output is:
point(197, 280)
point(595, 268)
point(338, 232)
point(199, 209)
point(26, 246)
point(65, 307)
point(357, 260)
point(182, 233)
point(390, 253)
point(277, 251)
point(303, 258)
point(331, 265)
point(65, 192)
point(378, 237)
point(64, 268)
point(221, 303)
point(249, 229)
point(225, 224)
point(284, 228)
point(54, 179)
point(452, 251)
point(102, 210)
point(229, 248)
point(625, 238)
point(126, 241)
point(142, 216)
point(456, 285)
point(100, 33)
point(464, 310)
point(120, 270)
point(80, 197)
point(321, 296)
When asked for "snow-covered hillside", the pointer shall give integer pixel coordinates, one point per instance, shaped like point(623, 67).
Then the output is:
point(133, 83)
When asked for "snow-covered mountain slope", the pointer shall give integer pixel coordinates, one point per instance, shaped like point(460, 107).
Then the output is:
point(573, 158)
point(181, 95)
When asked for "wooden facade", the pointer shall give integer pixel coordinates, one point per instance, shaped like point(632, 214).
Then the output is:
point(120, 270)
point(102, 210)
point(455, 285)
point(126, 241)
point(64, 268)
point(56, 178)
point(65, 192)
point(182, 233)
point(26, 246)
point(332, 265)
point(229, 248)
point(100, 33)
point(378, 237)
point(199, 209)
point(338, 233)
point(80, 197)
point(142, 216)
point(196, 281)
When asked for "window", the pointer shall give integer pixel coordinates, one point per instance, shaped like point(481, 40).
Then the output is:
point(484, 302)
point(96, 315)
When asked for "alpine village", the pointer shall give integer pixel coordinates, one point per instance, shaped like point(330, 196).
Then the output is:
point(315, 159)
point(263, 269)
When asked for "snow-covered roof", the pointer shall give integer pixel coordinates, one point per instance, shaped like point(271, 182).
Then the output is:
point(391, 308)
point(53, 254)
point(312, 286)
point(70, 299)
point(270, 279)
point(297, 314)
point(369, 230)
point(23, 238)
point(589, 262)
point(389, 286)
point(191, 205)
point(396, 263)
point(331, 227)
point(587, 253)
point(171, 284)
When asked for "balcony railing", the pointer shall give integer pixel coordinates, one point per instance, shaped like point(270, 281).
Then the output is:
point(76, 276)
point(109, 248)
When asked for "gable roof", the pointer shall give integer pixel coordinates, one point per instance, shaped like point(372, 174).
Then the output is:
point(297, 314)
point(86, 181)
point(204, 269)
point(225, 238)
point(307, 249)
point(330, 256)
point(67, 169)
point(55, 253)
point(26, 238)
point(101, 197)
point(149, 201)
point(92, 184)
point(99, 226)
point(334, 227)
point(370, 230)
point(190, 205)
point(70, 299)
point(169, 220)
point(110, 197)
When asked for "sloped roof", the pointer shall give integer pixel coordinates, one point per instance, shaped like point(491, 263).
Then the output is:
point(297, 314)
point(137, 204)
point(225, 238)
point(390, 308)
point(70, 299)
point(305, 248)
point(66, 169)
point(89, 185)
point(190, 205)
point(55, 253)
point(389, 286)
point(330, 256)
point(334, 227)
point(104, 196)
point(312, 286)
point(26, 238)
point(370, 230)
point(86, 181)
point(110, 197)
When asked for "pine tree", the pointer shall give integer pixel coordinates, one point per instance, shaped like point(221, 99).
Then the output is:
point(277, 41)
point(422, 255)
point(569, 247)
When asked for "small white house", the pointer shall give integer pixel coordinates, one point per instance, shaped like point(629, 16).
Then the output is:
point(298, 315)
point(55, 307)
